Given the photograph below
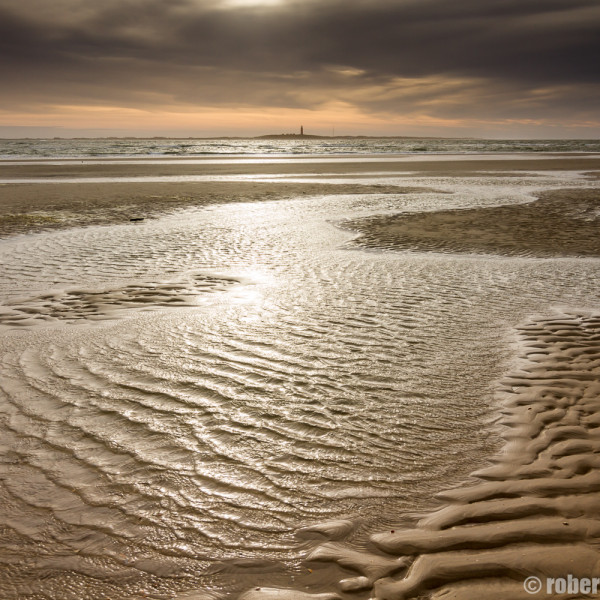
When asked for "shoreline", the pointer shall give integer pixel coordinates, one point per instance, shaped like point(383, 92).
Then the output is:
point(439, 164)
point(34, 206)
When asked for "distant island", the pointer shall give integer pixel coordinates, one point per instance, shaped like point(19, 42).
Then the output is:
point(306, 136)
point(292, 136)
point(270, 136)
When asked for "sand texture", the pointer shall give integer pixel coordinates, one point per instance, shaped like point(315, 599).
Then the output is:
point(228, 403)
point(27, 207)
point(534, 512)
point(560, 223)
point(76, 305)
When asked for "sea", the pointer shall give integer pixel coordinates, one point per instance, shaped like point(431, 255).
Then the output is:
point(159, 147)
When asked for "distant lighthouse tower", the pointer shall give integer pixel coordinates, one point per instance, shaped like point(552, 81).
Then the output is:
point(301, 129)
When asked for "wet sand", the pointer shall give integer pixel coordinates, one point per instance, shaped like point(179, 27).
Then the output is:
point(560, 223)
point(535, 511)
point(26, 207)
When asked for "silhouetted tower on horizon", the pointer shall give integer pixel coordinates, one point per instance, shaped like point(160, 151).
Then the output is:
point(301, 129)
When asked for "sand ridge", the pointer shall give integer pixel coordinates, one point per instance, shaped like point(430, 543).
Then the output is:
point(534, 512)
point(562, 222)
point(80, 305)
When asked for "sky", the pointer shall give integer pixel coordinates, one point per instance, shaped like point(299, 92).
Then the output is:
point(450, 68)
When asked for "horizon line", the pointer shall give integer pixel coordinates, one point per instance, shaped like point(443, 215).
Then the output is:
point(284, 136)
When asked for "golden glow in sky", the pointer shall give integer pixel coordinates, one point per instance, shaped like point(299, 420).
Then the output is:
point(242, 3)
point(252, 67)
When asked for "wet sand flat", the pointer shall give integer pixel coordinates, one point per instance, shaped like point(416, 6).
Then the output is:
point(534, 513)
point(558, 223)
point(235, 401)
point(29, 207)
point(35, 207)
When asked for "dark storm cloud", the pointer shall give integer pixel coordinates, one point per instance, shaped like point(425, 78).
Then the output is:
point(207, 52)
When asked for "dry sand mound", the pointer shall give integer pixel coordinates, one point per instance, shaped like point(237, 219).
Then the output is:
point(559, 223)
point(77, 305)
point(534, 512)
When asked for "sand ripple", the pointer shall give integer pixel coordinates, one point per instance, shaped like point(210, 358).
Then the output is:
point(534, 512)
point(560, 223)
point(75, 305)
point(178, 450)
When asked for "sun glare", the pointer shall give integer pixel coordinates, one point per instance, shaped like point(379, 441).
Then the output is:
point(243, 3)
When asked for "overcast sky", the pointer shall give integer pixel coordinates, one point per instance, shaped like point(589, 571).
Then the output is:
point(488, 68)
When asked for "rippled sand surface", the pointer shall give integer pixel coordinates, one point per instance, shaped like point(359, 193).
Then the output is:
point(560, 223)
point(534, 513)
point(238, 399)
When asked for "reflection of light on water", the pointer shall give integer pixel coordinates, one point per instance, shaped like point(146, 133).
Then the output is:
point(319, 376)
point(250, 3)
point(248, 299)
point(247, 295)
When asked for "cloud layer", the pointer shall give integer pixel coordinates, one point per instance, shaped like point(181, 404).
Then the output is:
point(464, 63)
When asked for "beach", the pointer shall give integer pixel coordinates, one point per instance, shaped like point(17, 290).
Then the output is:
point(109, 200)
point(342, 376)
